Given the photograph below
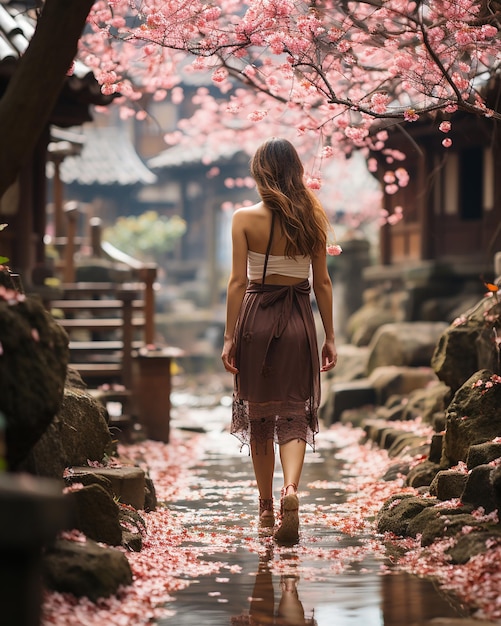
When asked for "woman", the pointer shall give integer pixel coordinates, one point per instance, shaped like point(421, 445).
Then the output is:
point(270, 341)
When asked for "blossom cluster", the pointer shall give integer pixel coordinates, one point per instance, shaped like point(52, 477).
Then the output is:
point(333, 70)
point(334, 250)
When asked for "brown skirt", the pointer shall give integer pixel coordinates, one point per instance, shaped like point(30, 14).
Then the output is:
point(277, 389)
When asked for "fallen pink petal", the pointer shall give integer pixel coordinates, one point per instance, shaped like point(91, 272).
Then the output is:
point(205, 521)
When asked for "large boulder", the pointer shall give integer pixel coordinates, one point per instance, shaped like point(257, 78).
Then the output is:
point(404, 343)
point(86, 569)
point(78, 434)
point(390, 380)
point(473, 543)
point(495, 478)
point(427, 402)
point(380, 306)
point(479, 488)
point(398, 512)
point(342, 396)
point(472, 417)
point(96, 514)
point(33, 360)
point(467, 345)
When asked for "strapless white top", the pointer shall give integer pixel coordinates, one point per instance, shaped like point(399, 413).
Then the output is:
point(297, 267)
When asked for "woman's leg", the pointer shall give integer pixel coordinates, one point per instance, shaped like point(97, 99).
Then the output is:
point(292, 459)
point(263, 460)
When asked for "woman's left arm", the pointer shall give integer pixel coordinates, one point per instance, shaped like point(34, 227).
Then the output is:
point(322, 286)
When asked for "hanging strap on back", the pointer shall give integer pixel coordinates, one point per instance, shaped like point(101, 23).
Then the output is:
point(268, 247)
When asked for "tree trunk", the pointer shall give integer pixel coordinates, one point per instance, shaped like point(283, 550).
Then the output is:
point(37, 82)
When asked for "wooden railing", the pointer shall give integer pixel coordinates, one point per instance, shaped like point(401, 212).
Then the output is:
point(103, 322)
point(109, 324)
point(146, 273)
point(67, 245)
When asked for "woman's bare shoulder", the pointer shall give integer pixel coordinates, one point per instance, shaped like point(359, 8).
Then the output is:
point(255, 209)
point(249, 213)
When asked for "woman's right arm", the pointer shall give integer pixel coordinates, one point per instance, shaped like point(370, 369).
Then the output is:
point(322, 287)
point(237, 285)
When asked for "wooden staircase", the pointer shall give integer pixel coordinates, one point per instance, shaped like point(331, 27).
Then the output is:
point(107, 323)
point(102, 321)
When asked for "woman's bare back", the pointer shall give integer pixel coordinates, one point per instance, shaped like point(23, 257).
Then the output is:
point(257, 226)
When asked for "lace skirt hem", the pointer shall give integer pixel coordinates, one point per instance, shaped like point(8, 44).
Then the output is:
point(278, 421)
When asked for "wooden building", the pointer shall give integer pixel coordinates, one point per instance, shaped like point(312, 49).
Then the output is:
point(196, 191)
point(451, 227)
point(23, 206)
point(452, 204)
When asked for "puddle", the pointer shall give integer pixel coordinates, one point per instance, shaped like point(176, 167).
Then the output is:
point(329, 579)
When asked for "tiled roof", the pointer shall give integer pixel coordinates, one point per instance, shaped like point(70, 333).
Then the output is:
point(107, 158)
point(183, 155)
point(16, 30)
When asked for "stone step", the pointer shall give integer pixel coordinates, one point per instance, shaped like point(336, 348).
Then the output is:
point(127, 482)
point(347, 395)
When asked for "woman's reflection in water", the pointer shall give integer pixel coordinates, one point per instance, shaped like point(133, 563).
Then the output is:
point(262, 610)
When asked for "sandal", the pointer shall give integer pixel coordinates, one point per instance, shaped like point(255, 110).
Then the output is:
point(288, 531)
point(266, 514)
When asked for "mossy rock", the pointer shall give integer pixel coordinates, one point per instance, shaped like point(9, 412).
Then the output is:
point(33, 361)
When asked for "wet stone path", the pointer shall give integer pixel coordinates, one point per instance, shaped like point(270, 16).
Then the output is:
point(339, 573)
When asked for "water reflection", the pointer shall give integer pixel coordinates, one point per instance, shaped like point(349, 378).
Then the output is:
point(329, 579)
point(263, 609)
point(407, 599)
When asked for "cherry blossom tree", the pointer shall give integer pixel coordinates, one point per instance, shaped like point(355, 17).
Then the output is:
point(335, 74)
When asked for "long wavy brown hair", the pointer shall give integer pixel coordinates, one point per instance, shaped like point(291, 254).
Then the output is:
point(279, 175)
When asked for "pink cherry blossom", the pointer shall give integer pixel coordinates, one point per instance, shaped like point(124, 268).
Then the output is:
point(257, 116)
point(313, 182)
point(379, 102)
point(334, 250)
point(410, 115)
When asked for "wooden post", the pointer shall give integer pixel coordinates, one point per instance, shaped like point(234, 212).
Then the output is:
point(57, 190)
point(96, 233)
point(148, 276)
point(127, 297)
point(71, 212)
point(152, 391)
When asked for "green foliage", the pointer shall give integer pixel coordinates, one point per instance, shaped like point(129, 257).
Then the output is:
point(3, 259)
point(148, 236)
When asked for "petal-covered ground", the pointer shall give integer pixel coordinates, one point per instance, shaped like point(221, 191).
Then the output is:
point(199, 526)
